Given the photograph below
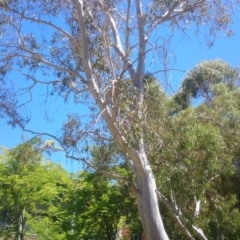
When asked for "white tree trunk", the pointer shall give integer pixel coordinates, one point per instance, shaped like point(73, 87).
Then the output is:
point(148, 202)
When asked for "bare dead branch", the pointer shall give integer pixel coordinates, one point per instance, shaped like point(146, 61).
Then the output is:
point(142, 46)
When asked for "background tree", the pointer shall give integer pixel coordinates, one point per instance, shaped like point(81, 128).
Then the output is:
point(90, 48)
point(31, 192)
point(199, 173)
point(199, 81)
point(100, 208)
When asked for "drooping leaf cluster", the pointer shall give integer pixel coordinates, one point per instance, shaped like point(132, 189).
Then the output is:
point(199, 81)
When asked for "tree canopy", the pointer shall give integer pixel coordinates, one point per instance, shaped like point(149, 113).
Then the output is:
point(31, 190)
point(40, 199)
point(101, 207)
point(197, 164)
point(199, 81)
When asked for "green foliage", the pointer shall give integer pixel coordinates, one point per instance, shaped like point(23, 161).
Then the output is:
point(85, 45)
point(194, 152)
point(53, 206)
point(200, 153)
point(31, 192)
point(100, 208)
point(199, 82)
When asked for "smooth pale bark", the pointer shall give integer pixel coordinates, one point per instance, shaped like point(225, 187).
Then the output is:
point(148, 203)
point(145, 191)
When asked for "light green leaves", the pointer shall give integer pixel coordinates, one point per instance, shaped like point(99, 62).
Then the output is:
point(31, 192)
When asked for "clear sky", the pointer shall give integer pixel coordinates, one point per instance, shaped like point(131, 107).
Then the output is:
point(188, 51)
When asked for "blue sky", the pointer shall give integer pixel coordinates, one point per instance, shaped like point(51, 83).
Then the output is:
point(188, 51)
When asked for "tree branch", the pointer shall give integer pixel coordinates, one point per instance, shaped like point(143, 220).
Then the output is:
point(138, 80)
point(84, 40)
point(36, 56)
point(174, 12)
point(180, 219)
point(118, 48)
point(89, 164)
point(127, 30)
point(43, 22)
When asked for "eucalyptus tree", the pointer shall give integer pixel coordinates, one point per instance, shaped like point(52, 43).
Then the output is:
point(197, 165)
point(199, 82)
point(89, 50)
